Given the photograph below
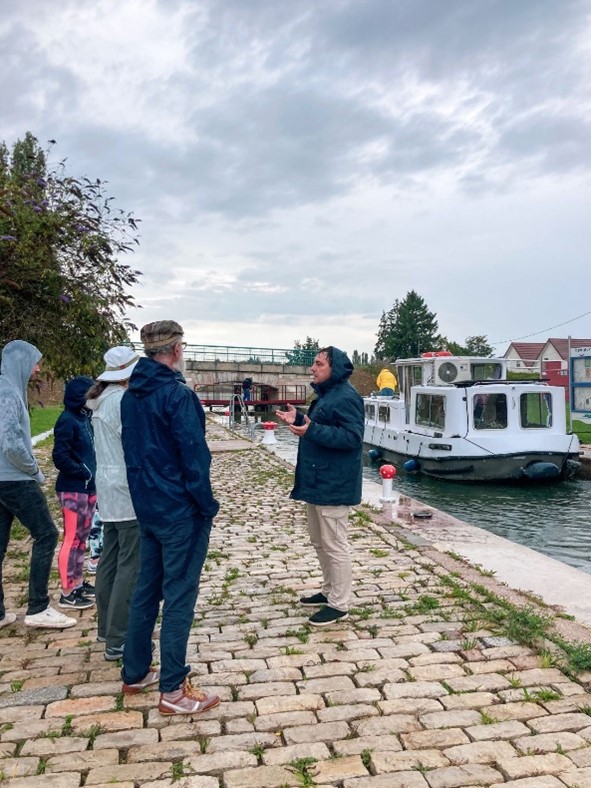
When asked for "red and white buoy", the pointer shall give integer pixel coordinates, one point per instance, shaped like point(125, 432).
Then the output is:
point(387, 472)
point(269, 438)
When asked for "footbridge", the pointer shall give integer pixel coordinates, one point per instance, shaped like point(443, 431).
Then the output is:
point(278, 375)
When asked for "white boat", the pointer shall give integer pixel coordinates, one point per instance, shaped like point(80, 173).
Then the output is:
point(459, 418)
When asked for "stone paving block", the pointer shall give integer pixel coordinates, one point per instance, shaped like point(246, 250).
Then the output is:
point(509, 729)
point(491, 666)
point(325, 685)
point(122, 740)
point(414, 689)
point(436, 658)
point(559, 722)
point(572, 703)
point(546, 781)
point(451, 719)
point(33, 697)
point(80, 707)
point(331, 771)
point(289, 703)
point(346, 697)
point(237, 665)
point(335, 668)
point(192, 781)
point(379, 675)
point(79, 761)
point(408, 760)
point(255, 691)
point(262, 777)
point(435, 738)
point(580, 778)
point(436, 672)
point(67, 679)
point(519, 710)
point(243, 741)
point(65, 780)
point(45, 747)
point(398, 780)
point(387, 743)
point(533, 765)
point(285, 755)
point(289, 719)
point(322, 731)
point(469, 775)
point(488, 682)
point(480, 752)
point(96, 688)
point(111, 721)
point(549, 742)
point(347, 712)
point(393, 724)
point(507, 652)
point(19, 767)
point(404, 650)
point(278, 674)
point(134, 773)
point(468, 700)
point(416, 706)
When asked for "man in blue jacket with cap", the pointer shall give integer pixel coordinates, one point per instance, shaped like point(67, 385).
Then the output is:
point(328, 476)
point(168, 462)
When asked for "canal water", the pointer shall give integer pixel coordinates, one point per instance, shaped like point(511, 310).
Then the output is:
point(554, 519)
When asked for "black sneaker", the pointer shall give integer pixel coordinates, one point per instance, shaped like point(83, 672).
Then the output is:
point(76, 599)
point(328, 615)
point(88, 589)
point(315, 599)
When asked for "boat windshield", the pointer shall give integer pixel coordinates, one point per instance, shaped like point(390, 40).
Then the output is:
point(370, 411)
point(489, 411)
point(535, 410)
point(430, 411)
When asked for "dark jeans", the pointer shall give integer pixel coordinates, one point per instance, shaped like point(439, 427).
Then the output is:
point(172, 558)
point(26, 501)
point(116, 578)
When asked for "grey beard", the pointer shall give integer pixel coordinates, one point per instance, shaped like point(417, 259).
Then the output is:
point(180, 366)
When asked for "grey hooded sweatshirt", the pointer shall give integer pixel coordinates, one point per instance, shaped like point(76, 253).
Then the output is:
point(17, 462)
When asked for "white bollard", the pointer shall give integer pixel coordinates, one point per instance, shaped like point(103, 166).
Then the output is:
point(269, 438)
point(387, 472)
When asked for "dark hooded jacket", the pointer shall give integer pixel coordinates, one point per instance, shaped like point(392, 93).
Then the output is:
point(73, 446)
point(167, 458)
point(330, 453)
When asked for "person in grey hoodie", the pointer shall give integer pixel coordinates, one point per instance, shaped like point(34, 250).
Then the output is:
point(20, 493)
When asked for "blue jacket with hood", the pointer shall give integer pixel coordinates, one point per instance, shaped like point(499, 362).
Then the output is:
point(73, 446)
point(330, 453)
point(163, 437)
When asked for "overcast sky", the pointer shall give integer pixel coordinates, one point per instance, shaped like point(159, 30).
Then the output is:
point(300, 165)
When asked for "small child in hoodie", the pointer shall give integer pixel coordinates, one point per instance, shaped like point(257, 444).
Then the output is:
point(73, 456)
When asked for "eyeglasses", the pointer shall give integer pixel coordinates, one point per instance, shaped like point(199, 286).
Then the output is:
point(183, 345)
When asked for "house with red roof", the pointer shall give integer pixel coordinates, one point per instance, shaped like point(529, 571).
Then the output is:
point(549, 359)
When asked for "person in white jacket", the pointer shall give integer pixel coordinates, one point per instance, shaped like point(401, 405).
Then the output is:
point(120, 560)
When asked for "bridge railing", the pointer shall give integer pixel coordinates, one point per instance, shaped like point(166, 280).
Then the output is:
point(250, 355)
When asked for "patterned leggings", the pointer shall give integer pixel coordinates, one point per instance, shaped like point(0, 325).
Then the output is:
point(78, 511)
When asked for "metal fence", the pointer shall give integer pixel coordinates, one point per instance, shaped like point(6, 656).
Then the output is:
point(250, 355)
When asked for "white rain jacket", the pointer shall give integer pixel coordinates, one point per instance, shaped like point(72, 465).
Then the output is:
point(17, 461)
point(114, 501)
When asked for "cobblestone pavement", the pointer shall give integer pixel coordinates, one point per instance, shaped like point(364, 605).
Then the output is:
point(413, 690)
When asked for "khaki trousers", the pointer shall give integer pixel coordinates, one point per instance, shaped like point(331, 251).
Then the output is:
point(327, 526)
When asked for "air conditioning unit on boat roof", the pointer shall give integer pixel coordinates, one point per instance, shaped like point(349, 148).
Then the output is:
point(451, 370)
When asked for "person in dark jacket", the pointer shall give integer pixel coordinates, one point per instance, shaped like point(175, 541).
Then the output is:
point(73, 456)
point(168, 462)
point(328, 476)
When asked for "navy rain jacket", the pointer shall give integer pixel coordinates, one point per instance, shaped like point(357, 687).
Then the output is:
point(73, 446)
point(163, 436)
point(330, 454)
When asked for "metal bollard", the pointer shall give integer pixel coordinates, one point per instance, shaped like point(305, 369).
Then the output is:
point(387, 472)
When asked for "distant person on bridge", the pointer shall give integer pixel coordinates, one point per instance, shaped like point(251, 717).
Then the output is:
point(168, 470)
point(328, 476)
point(246, 389)
point(387, 383)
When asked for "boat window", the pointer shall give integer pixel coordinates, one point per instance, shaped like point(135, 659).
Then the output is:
point(384, 414)
point(370, 411)
point(486, 371)
point(535, 410)
point(489, 411)
point(431, 411)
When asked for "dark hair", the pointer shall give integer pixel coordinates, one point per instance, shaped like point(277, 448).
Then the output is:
point(328, 352)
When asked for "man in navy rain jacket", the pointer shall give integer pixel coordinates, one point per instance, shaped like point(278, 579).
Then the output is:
point(168, 465)
point(328, 476)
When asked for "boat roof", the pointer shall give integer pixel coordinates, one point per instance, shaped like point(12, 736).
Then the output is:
point(465, 359)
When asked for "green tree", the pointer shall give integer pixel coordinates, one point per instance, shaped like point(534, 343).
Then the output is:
point(62, 285)
point(407, 330)
point(478, 346)
point(303, 352)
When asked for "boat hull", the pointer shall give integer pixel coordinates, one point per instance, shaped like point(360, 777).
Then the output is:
point(521, 467)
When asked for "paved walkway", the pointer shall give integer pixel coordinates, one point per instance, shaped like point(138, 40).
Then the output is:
point(425, 686)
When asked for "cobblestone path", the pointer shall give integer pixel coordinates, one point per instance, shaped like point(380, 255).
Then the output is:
point(415, 689)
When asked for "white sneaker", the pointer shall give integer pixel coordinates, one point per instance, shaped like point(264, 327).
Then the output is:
point(49, 619)
point(9, 618)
